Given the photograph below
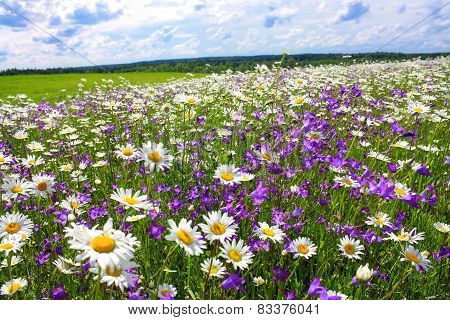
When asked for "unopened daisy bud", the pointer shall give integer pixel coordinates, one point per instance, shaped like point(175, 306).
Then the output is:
point(258, 281)
point(284, 252)
point(191, 207)
point(294, 189)
point(71, 217)
point(364, 274)
point(98, 181)
point(151, 284)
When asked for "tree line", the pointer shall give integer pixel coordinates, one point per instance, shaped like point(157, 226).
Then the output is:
point(220, 64)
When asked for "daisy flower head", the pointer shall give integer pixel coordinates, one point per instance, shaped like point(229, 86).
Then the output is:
point(166, 291)
point(11, 244)
point(237, 254)
point(331, 293)
point(417, 108)
point(228, 174)
point(5, 159)
point(42, 185)
point(265, 154)
point(266, 232)
point(126, 152)
point(218, 227)
point(350, 248)
point(380, 220)
point(119, 276)
point(13, 187)
point(155, 156)
point(187, 237)
point(32, 161)
point(346, 181)
point(401, 191)
point(107, 247)
point(15, 225)
point(65, 266)
point(303, 247)
point(213, 267)
point(406, 236)
point(15, 260)
point(441, 227)
point(130, 200)
point(417, 258)
point(13, 286)
point(72, 204)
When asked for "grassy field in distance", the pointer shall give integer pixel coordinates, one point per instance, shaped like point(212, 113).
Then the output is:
point(50, 86)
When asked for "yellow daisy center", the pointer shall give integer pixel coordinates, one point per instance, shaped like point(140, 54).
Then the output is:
point(131, 201)
point(235, 255)
point(14, 287)
point(2, 160)
point(75, 206)
point(400, 192)
point(6, 246)
point(303, 249)
point(417, 109)
point(66, 167)
point(299, 100)
point(32, 162)
point(127, 152)
point(227, 176)
point(218, 229)
point(16, 189)
point(42, 186)
point(346, 181)
point(266, 156)
point(185, 237)
point(442, 229)
point(190, 100)
point(299, 81)
point(403, 237)
point(113, 272)
point(349, 248)
point(412, 257)
point(12, 228)
point(268, 232)
point(213, 269)
point(314, 135)
point(154, 156)
point(103, 244)
point(165, 292)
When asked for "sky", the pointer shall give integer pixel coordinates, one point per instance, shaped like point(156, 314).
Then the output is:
point(118, 31)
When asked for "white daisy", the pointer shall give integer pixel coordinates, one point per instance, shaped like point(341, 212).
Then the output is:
point(166, 290)
point(186, 236)
point(155, 156)
point(380, 220)
point(417, 258)
point(228, 174)
point(130, 200)
point(405, 236)
point(13, 286)
point(127, 152)
point(441, 227)
point(303, 247)
point(117, 276)
point(237, 254)
point(42, 185)
point(265, 232)
point(15, 225)
point(213, 267)
point(346, 181)
point(218, 227)
point(14, 187)
point(107, 247)
point(350, 248)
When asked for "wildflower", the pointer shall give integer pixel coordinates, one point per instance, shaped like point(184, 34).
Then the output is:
point(228, 174)
point(166, 291)
point(213, 267)
point(130, 200)
point(187, 237)
point(13, 286)
point(266, 232)
point(218, 227)
point(350, 248)
point(417, 258)
point(155, 156)
point(237, 254)
point(363, 275)
point(303, 247)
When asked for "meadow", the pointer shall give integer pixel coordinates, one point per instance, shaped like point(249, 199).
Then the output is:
point(56, 87)
point(325, 182)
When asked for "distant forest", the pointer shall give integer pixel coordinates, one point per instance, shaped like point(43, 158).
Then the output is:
point(220, 64)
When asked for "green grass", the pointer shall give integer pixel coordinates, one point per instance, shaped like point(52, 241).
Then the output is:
point(50, 86)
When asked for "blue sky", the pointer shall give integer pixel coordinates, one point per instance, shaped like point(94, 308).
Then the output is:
point(116, 31)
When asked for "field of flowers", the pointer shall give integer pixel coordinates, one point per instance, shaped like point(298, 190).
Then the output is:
point(324, 182)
